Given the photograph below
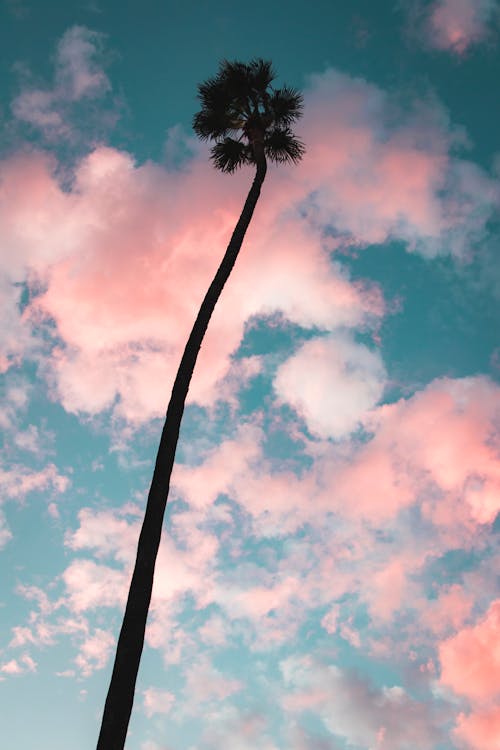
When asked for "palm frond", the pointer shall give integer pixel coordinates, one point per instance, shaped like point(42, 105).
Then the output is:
point(261, 75)
point(282, 146)
point(212, 124)
point(228, 155)
point(285, 105)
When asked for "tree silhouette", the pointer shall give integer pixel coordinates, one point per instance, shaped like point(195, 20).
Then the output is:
point(249, 122)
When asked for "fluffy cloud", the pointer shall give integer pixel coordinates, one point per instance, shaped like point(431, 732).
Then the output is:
point(374, 181)
point(94, 652)
point(438, 447)
point(332, 382)
point(120, 259)
point(184, 560)
point(479, 730)
point(470, 666)
point(470, 660)
point(18, 481)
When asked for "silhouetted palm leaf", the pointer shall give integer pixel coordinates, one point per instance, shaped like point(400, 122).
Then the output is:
point(286, 105)
point(228, 155)
point(281, 146)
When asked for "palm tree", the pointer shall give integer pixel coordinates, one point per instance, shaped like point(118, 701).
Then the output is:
point(249, 122)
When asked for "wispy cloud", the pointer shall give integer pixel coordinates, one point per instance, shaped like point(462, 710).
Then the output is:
point(78, 76)
point(455, 26)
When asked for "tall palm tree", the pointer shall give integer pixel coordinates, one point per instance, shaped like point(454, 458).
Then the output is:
point(249, 122)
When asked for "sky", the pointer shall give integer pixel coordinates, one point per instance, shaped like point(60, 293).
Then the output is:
point(328, 577)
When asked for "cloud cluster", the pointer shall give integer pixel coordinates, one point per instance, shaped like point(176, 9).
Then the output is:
point(120, 260)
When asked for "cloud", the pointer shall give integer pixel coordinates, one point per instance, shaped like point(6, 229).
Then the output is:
point(94, 652)
point(445, 435)
point(229, 727)
point(89, 585)
point(130, 337)
point(157, 701)
point(19, 666)
point(351, 708)
point(185, 563)
point(470, 660)
point(118, 260)
point(479, 730)
point(457, 25)
point(18, 481)
point(372, 180)
point(470, 666)
point(77, 76)
point(437, 448)
point(206, 684)
point(332, 382)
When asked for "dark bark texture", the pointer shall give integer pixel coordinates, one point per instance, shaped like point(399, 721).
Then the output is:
point(120, 697)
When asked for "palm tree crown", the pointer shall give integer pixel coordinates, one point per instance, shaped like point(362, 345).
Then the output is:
point(248, 118)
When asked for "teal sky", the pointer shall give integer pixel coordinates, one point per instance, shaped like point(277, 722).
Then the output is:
point(328, 577)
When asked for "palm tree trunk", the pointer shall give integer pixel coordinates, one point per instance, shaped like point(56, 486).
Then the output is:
point(120, 696)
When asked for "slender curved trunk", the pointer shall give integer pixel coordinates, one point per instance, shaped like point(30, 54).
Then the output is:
point(120, 698)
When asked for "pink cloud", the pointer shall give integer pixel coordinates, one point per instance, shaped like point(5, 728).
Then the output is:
point(436, 448)
point(457, 25)
point(11, 667)
point(19, 666)
point(186, 563)
point(108, 533)
point(94, 652)
point(470, 660)
point(376, 182)
point(89, 585)
point(239, 730)
point(139, 343)
point(19, 481)
point(446, 434)
point(202, 484)
point(387, 588)
point(479, 730)
point(157, 701)
point(448, 611)
point(215, 631)
point(89, 245)
point(205, 683)
point(357, 711)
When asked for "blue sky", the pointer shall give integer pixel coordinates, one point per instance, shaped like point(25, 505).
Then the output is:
point(328, 575)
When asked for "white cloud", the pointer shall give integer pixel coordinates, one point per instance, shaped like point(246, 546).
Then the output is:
point(332, 382)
